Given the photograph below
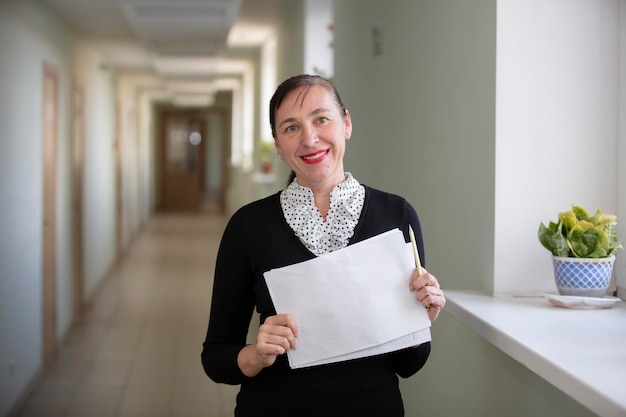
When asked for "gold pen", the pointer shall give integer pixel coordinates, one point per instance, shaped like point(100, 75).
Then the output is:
point(416, 254)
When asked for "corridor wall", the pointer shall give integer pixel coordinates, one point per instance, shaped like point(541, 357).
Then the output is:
point(29, 37)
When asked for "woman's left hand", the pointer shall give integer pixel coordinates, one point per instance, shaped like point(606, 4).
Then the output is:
point(428, 292)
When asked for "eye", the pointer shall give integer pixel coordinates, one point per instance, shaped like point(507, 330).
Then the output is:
point(322, 120)
point(291, 129)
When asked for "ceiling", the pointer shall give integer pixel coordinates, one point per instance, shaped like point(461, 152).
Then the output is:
point(186, 44)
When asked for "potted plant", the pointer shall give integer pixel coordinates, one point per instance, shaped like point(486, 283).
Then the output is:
point(266, 153)
point(583, 251)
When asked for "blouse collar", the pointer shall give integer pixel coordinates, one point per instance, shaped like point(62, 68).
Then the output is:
point(319, 236)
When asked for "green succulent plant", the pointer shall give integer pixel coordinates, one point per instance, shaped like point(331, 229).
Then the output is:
point(577, 234)
point(265, 151)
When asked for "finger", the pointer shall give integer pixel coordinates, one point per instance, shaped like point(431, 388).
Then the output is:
point(430, 280)
point(419, 281)
point(416, 281)
point(283, 320)
point(286, 339)
point(438, 301)
point(433, 313)
point(433, 304)
point(433, 281)
point(281, 342)
point(429, 296)
point(268, 352)
point(432, 298)
point(272, 344)
point(269, 332)
point(423, 297)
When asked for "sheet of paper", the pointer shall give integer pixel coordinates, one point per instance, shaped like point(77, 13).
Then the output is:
point(409, 340)
point(349, 301)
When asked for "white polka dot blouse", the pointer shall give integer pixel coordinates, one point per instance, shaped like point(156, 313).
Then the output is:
point(319, 236)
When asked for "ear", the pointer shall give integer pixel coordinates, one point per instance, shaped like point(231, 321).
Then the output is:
point(277, 149)
point(348, 123)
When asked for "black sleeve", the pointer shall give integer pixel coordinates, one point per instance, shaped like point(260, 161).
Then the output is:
point(408, 361)
point(231, 306)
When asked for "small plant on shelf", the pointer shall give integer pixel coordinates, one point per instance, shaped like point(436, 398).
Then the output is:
point(583, 251)
point(577, 234)
point(266, 153)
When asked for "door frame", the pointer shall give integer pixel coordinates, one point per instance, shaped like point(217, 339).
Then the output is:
point(50, 120)
point(78, 161)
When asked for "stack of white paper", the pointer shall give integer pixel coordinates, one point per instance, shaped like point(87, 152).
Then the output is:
point(351, 303)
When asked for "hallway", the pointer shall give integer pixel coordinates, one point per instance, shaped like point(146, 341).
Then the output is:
point(136, 353)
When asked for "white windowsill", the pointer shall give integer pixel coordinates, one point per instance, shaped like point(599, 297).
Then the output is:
point(581, 352)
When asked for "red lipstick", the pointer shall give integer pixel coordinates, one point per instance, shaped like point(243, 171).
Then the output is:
point(315, 157)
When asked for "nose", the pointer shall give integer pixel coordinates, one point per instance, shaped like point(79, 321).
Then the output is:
point(309, 136)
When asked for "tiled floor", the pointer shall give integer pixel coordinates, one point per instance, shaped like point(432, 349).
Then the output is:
point(137, 351)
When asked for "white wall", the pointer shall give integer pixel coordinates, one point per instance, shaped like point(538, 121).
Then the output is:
point(557, 121)
point(127, 144)
point(99, 168)
point(29, 36)
point(27, 39)
point(446, 116)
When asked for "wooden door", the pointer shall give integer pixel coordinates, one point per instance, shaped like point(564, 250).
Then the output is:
point(182, 164)
point(78, 146)
point(49, 147)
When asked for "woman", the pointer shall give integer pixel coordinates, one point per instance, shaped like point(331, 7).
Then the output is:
point(323, 209)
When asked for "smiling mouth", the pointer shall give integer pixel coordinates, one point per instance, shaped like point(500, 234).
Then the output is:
point(315, 156)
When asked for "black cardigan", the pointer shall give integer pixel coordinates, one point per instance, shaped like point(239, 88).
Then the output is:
point(257, 239)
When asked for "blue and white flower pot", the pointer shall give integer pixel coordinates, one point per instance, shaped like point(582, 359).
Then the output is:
point(584, 277)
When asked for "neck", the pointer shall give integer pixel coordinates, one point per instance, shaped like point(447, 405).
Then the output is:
point(322, 202)
point(321, 195)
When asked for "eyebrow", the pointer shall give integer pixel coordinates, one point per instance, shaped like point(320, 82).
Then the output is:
point(313, 113)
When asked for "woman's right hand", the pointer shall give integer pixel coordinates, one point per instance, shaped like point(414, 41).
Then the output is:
point(277, 335)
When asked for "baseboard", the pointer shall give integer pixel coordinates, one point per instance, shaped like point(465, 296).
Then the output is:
point(22, 399)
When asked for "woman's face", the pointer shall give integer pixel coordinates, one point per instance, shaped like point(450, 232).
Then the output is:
point(311, 135)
